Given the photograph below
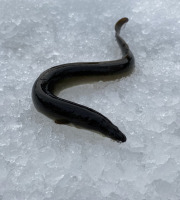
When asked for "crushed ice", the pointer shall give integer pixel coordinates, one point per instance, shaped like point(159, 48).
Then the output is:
point(42, 160)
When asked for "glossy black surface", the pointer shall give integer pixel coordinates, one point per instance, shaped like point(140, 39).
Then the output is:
point(64, 111)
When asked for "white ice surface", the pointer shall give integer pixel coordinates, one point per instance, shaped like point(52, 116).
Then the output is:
point(40, 160)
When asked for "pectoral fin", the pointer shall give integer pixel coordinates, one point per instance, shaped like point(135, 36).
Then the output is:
point(62, 121)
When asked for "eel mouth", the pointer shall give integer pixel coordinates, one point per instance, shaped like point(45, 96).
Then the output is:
point(115, 134)
point(120, 137)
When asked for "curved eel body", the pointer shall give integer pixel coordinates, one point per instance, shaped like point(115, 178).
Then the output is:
point(64, 111)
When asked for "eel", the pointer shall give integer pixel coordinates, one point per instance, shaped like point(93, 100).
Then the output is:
point(66, 112)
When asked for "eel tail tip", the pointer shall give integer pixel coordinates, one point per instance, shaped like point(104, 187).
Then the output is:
point(120, 23)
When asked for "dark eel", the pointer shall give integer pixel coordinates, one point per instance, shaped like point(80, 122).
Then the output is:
point(64, 111)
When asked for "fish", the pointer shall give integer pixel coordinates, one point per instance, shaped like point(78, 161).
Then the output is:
point(63, 111)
